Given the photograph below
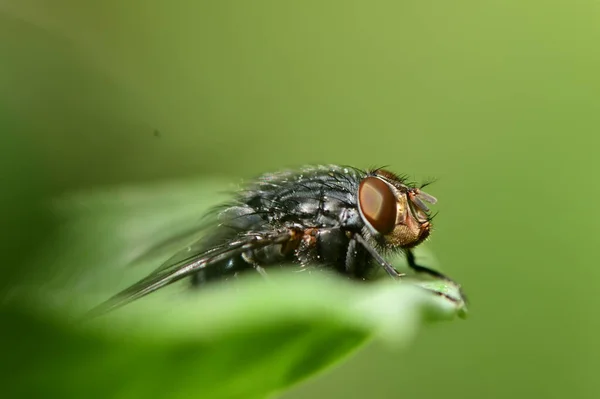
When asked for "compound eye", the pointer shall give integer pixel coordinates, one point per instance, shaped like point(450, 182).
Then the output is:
point(377, 203)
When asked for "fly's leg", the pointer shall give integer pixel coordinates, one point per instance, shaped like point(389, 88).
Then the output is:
point(261, 271)
point(248, 258)
point(390, 270)
point(412, 263)
point(410, 257)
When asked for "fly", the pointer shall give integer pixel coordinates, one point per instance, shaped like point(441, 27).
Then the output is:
point(334, 217)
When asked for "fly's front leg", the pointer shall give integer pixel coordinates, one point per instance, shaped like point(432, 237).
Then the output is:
point(390, 270)
point(412, 263)
point(410, 257)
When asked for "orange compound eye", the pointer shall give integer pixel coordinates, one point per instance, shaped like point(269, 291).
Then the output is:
point(377, 203)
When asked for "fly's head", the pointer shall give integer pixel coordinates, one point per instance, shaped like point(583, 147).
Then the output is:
point(394, 212)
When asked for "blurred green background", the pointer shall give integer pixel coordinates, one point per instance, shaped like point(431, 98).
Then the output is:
point(498, 100)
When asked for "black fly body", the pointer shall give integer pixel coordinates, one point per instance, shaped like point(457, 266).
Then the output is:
point(340, 218)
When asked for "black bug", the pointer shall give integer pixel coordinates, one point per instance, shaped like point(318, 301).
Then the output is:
point(334, 217)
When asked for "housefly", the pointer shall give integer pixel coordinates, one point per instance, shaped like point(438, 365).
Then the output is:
point(338, 218)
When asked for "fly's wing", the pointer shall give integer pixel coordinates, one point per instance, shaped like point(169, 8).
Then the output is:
point(219, 227)
point(182, 267)
point(192, 233)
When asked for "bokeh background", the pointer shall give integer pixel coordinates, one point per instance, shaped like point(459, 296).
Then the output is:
point(497, 100)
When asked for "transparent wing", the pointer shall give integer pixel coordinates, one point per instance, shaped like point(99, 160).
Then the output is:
point(215, 229)
point(182, 267)
point(188, 237)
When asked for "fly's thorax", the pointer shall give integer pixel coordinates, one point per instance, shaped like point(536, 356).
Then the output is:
point(394, 212)
point(319, 200)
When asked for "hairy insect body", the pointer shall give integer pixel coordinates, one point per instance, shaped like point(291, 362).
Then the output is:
point(339, 218)
point(318, 208)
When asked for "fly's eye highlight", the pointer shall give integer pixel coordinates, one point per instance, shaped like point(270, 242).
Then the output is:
point(377, 204)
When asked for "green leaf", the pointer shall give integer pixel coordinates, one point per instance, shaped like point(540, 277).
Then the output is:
point(250, 339)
